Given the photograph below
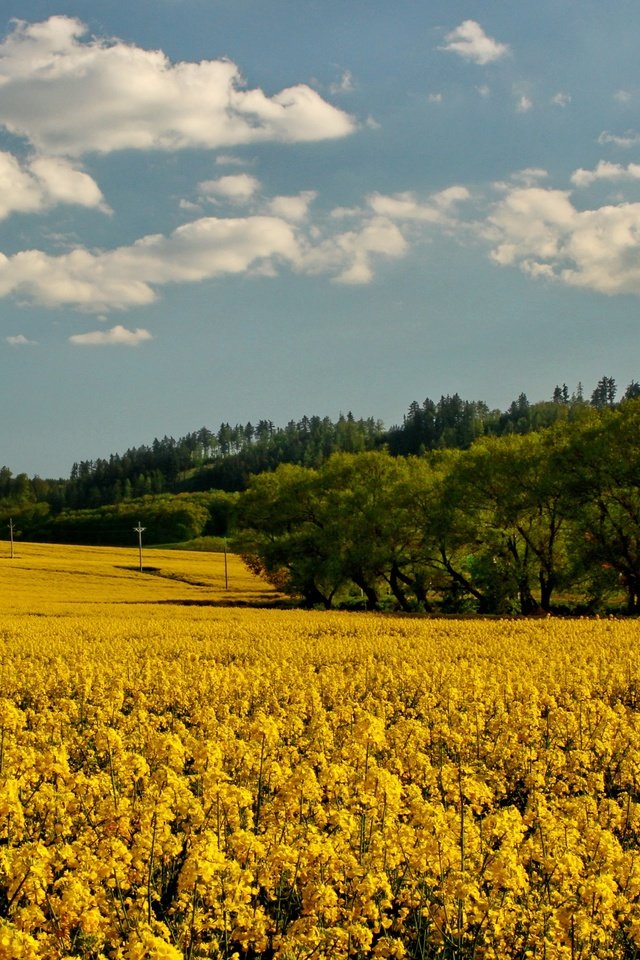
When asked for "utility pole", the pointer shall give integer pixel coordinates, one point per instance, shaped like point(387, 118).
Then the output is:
point(11, 534)
point(226, 571)
point(139, 530)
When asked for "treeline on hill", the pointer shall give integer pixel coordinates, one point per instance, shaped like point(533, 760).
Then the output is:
point(168, 485)
point(522, 523)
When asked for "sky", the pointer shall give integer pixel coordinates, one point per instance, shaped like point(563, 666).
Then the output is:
point(233, 210)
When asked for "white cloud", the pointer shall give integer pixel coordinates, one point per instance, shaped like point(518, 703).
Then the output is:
point(344, 85)
point(127, 276)
point(529, 223)
point(605, 171)
point(64, 184)
point(528, 177)
point(236, 187)
point(206, 248)
point(189, 205)
point(524, 104)
point(379, 231)
point(20, 341)
point(117, 335)
point(622, 96)
point(230, 160)
point(544, 234)
point(484, 90)
point(347, 213)
point(405, 206)
point(435, 98)
point(42, 183)
point(292, 208)
point(471, 42)
point(349, 255)
point(631, 138)
point(68, 95)
point(561, 99)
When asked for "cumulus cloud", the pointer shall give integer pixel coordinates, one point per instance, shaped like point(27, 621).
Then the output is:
point(238, 188)
point(471, 42)
point(349, 255)
point(117, 335)
point(293, 208)
point(381, 229)
point(631, 138)
point(43, 182)
point(561, 99)
point(68, 95)
point(189, 205)
point(20, 341)
point(405, 206)
point(622, 96)
point(605, 171)
point(543, 233)
point(524, 104)
point(529, 222)
point(128, 276)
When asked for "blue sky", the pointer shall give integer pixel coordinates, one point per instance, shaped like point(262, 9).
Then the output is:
point(233, 210)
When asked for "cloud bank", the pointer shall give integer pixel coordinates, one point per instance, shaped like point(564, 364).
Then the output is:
point(537, 229)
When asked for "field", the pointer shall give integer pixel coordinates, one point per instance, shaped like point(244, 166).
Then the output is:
point(183, 775)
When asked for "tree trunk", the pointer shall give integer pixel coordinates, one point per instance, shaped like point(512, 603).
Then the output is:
point(369, 591)
point(633, 593)
point(547, 583)
point(313, 596)
point(528, 603)
point(396, 589)
point(483, 605)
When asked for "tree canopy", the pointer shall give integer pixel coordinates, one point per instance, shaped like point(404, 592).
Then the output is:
point(502, 526)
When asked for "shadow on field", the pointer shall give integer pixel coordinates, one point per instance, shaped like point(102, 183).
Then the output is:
point(256, 604)
point(157, 572)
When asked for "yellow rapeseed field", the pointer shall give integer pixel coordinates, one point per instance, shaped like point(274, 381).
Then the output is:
point(181, 779)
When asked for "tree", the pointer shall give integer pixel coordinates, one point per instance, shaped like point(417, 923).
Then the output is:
point(522, 481)
point(448, 520)
point(604, 394)
point(602, 464)
point(633, 391)
point(285, 538)
point(352, 520)
point(363, 517)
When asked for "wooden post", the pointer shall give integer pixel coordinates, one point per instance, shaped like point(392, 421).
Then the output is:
point(226, 569)
point(11, 534)
point(139, 529)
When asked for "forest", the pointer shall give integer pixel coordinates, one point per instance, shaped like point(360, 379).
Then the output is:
point(458, 509)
